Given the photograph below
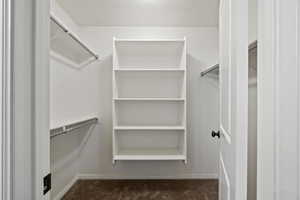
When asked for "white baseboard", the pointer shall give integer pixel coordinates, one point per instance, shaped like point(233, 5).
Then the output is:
point(124, 177)
point(60, 195)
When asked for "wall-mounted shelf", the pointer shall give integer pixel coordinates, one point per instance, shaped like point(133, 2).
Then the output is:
point(67, 47)
point(168, 154)
point(149, 99)
point(72, 127)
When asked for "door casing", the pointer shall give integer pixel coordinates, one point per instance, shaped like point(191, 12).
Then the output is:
point(278, 100)
point(30, 98)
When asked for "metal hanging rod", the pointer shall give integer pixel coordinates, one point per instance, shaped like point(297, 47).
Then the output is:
point(251, 46)
point(71, 127)
point(215, 67)
point(74, 37)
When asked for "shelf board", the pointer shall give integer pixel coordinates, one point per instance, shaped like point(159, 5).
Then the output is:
point(149, 157)
point(149, 128)
point(149, 99)
point(150, 154)
point(136, 69)
point(149, 40)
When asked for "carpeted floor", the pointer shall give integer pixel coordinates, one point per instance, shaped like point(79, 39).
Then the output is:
point(144, 190)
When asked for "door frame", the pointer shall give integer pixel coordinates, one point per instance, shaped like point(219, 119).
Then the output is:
point(278, 162)
point(5, 101)
point(30, 140)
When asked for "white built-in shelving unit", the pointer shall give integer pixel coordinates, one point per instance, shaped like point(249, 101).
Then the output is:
point(149, 99)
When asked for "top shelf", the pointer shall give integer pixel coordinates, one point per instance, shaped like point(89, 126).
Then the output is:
point(150, 53)
point(68, 47)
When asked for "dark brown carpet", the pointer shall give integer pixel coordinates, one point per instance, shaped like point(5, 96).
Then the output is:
point(144, 190)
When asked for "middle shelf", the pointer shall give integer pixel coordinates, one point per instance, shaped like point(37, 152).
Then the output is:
point(149, 113)
point(149, 84)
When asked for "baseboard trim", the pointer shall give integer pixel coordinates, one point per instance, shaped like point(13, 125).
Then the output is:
point(62, 193)
point(122, 177)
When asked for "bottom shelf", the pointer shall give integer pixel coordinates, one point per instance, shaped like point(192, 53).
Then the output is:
point(150, 154)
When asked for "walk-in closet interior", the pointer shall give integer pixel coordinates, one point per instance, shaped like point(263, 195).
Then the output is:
point(134, 99)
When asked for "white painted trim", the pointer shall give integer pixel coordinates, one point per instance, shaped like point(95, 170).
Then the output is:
point(40, 99)
point(241, 127)
point(134, 177)
point(225, 134)
point(266, 92)
point(64, 191)
point(6, 109)
point(227, 181)
point(22, 100)
point(278, 100)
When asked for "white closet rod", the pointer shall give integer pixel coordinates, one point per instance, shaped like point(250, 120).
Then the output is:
point(252, 46)
point(210, 70)
point(74, 37)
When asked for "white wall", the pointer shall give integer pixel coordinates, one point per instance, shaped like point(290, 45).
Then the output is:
point(252, 142)
point(73, 97)
point(68, 97)
point(96, 157)
point(252, 20)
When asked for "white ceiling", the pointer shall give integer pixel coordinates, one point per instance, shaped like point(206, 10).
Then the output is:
point(143, 12)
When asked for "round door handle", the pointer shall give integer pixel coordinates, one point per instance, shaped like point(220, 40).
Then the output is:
point(215, 134)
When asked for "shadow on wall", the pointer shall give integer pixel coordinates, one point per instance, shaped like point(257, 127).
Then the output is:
point(65, 151)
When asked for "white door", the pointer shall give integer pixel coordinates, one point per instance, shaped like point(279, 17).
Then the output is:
point(233, 99)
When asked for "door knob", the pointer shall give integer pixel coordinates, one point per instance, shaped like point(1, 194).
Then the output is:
point(215, 134)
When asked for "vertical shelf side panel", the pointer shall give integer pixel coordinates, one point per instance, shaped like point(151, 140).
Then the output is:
point(185, 100)
point(114, 95)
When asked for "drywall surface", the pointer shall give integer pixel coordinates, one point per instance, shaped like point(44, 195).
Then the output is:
point(252, 105)
point(73, 97)
point(252, 142)
point(202, 113)
point(143, 12)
